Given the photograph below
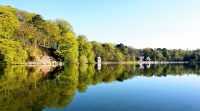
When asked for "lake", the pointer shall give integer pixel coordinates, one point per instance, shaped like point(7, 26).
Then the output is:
point(160, 87)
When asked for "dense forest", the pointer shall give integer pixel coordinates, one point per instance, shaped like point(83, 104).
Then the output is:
point(22, 33)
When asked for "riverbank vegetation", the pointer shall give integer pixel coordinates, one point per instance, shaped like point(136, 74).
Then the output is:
point(23, 33)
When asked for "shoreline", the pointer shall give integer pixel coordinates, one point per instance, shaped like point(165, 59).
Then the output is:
point(55, 63)
point(31, 63)
point(148, 62)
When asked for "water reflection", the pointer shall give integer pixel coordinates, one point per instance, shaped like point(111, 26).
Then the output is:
point(36, 88)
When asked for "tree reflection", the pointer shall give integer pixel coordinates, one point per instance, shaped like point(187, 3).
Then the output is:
point(86, 73)
point(25, 88)
point(21, 90)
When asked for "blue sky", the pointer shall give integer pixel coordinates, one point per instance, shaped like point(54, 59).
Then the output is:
point(170, 24)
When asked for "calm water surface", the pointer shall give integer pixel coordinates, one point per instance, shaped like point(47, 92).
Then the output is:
point(112, 88)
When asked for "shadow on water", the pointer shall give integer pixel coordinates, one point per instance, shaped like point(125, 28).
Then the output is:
point(37, 88)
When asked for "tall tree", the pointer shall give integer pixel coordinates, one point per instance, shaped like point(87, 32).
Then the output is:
point(24, 16)
point(86, 53)
point(68, 49)
point(38, 22)
point(53, 33)
point(68, 45)
point(8, 23)
point(97, 48)
point(24, 33)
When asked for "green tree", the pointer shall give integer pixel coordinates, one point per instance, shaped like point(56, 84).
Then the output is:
point(10, 9)
point(147, 52)
point(98, 49)
point(29, 36)
point(109, 52)
point(24, 16)
point(177, 54)
point(24, 33)
point(68, 48)
point(86, 53)
point(68, 45)
point(38, 22)
point(8, 23)
point(11, 52)
point(119, 56)
point(158, 56)
point(53, 32)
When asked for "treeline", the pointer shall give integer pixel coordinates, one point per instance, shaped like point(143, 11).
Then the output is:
point(21, 34)
point(29, 31)
point(163, 54)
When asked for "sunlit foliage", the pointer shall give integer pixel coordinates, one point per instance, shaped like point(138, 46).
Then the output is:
point(11, 52)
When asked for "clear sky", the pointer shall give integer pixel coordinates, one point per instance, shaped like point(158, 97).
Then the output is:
point(170, 24)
